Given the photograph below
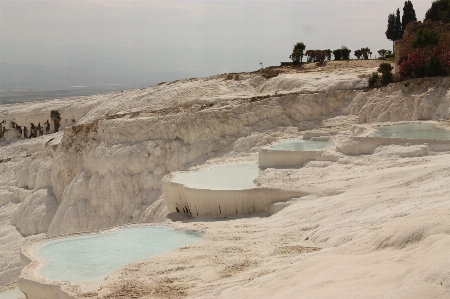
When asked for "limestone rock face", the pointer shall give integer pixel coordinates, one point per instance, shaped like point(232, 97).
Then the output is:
point(315, 82)
point(13, 157)
point(35, 213)
point(418, 99)
point(35, 168)
point(256, 139)
point(65, 167)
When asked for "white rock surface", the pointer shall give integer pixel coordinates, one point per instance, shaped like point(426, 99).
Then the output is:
point(11, 197)
point(107, 170)
point(35, 213)
point(376, 227)
point(418, 99)
point(402, 151)
point(110, 175)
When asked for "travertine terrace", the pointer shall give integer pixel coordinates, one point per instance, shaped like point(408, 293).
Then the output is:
point(374, 225)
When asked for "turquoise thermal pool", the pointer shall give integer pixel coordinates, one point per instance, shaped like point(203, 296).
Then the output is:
point(93, 257)
point(228, 177)
point(413, 131)
point(301, 145)
point(14, 293)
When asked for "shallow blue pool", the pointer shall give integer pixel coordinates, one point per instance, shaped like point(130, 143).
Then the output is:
point(412, 130)
point(227, 177)
point(93, 257)
point(14, 293)
point(301, 145)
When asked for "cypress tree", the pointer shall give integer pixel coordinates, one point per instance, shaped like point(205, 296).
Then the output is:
point(390, 32)
point(398, 26)
point(409, 14)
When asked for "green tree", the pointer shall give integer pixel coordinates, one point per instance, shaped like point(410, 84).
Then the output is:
point(345, 52)
point(297, 53)
point(398, 26)
point(390, 32)
point(439, 11)
point(56, 118)
point(55, 115)
point(337, 54)
point(394, 30)
point(409, 14)
point(328, 54)
point(365, 53)
point(384, 53)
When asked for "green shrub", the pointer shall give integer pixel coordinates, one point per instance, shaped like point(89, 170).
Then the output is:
point(434, 68)
point(426, 62)
point(358, 54)
point(373, 79)
point(77, 129)
point(425, 38)
point(385, 68)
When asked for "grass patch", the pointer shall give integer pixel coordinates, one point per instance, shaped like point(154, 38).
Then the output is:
point(77, 129)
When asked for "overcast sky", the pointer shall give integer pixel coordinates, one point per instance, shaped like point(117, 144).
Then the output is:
point(125, 41)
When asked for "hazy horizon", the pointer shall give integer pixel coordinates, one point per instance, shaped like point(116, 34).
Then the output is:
point(61, 44)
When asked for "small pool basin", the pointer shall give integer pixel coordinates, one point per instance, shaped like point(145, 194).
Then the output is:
point(221, 191)
point(226, 177)
point(92, 257)
point(14, 293)
point(412, 131)
point(292, 153)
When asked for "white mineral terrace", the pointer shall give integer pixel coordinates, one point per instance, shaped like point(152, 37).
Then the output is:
point(53, 266)
point(412, 130)
point(291, 153)
point(425, 137)
point(221, 191)
point(367, 218)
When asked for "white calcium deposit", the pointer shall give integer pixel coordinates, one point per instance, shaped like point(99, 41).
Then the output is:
point(106, 169)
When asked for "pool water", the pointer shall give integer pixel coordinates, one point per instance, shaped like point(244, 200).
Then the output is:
point(413, 130)
point(228, 177)
point(93, 257)
point(301, 145)
point(14, 293)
